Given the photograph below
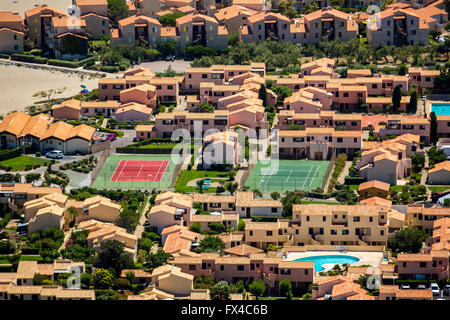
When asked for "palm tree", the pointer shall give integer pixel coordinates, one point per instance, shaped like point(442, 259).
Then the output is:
point(200, 185)
point(73, 213)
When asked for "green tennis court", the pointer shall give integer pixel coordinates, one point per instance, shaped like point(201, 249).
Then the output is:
point(287, 175)
point(138, 172)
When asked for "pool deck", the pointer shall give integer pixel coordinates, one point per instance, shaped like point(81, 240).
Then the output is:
point(373, 259)
point(430, 102)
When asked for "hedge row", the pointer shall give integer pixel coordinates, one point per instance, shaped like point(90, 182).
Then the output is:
point(354, 180)
point(29, 58)
point(9, 154)
point(144, 151)
point(4, 56)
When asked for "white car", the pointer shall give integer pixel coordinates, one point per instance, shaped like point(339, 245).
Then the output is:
point(55, 154)
point(435, 289)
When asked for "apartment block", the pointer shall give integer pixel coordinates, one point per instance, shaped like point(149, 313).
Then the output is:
point(399, 26)
point(424, 218)
point(11, 33)
point(248, 269)
point(400, 125)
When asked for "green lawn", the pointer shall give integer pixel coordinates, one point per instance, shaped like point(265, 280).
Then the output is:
point(188, 175)
point(19, 163)
point(31, 258)
point(396, 188)
point(439, 189)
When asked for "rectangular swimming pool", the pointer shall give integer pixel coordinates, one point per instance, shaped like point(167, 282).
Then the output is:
point(440, 108)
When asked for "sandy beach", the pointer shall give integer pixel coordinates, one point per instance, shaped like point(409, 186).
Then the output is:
point(20, 6)
point(18, 85)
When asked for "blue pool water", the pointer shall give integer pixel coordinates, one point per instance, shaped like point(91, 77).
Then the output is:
point(440, 108)
point(328, 259)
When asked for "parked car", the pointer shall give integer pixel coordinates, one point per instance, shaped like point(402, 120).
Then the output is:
point(447, 289)
point(421, 286)
point(435, 289)
point(111, 137)
point(405, 286)
point(55, 154)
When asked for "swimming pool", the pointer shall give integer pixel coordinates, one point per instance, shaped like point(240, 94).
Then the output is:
point(440, 108)
point(328, 259)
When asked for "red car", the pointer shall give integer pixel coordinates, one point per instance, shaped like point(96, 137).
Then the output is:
point(111, 137)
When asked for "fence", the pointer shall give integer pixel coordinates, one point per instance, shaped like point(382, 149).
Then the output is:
point(329, 169)
point(102, 146)
point(246, 174)
point(100, 162)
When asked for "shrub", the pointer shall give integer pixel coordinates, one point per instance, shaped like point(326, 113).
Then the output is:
point(110, 69)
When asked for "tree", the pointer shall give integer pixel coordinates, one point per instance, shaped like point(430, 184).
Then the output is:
point(433, 128)
point(112, 255)
point(290, 198)
point(87, 280)
point(103, 279)
point(196, 227)
point(212, 244)
point(220, 291)
point(257, 288)
point(217, 227)
point(396, 98)
point(32, 177)
point(233, 39)
point(412, 106)
point(207, 108)
point(241, 225)
point(282, 93)
point(275, 195)
point(73, 212)
point(286, 288)
point(407, 240)
point(263, 94)
point(200, 184)
point(231, 187)
point(170, 19)
point(287, 9)
point(117, 10)
point(436, 156)
point(160, 258)
point(417, 161)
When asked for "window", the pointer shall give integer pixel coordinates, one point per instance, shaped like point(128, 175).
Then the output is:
point(221, 267)
point(307, 218)
point(251, 233)
point(274, 210)
point(339, 140)
point(268, 233)
point(306, 271)
point(423, 264)
point(381, 232)
point(324, 218)
point(356, 219)
point(204, 76)
point(240, 267)
point(169, 87)
point(345, 232)
point(370, 219)
point(333, 232)
point(192, 267)
point(354, 123)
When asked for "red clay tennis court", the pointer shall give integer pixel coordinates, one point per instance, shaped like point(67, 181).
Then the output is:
point(140, 171)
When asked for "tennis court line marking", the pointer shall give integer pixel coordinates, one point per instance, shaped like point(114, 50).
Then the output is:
point(120, 173)
point(140, 169)
point(315, 172)
point(309, 172)
point(271, 173)
point(288, 176)
point(157, 173)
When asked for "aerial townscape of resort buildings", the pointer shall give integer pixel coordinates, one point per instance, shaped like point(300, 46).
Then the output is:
point(362, 189)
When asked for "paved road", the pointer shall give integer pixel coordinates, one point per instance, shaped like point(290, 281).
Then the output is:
point(178, 66)
point(140, 228)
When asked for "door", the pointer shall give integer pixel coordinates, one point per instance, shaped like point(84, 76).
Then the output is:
point(248, 212)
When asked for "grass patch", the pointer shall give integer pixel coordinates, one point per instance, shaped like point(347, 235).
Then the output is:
point(396, 188)
point(319, 202)
point(20, 163)
point(438, 189)
point(354, 187)
point(187, 175)
point(31, 258)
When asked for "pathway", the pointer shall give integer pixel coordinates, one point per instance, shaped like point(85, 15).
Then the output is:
point(344, 172)
point(140, 228)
